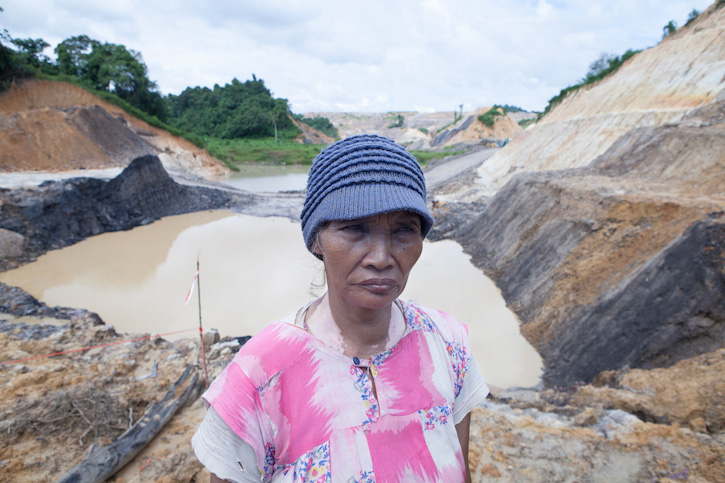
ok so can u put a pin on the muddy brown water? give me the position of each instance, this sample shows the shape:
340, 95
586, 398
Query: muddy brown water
254, 271
259, 178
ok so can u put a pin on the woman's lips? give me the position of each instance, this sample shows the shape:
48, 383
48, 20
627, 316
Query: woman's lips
379, 285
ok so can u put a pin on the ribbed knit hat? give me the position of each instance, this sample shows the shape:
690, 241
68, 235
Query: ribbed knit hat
362, 176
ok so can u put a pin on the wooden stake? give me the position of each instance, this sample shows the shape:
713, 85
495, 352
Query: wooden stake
201, 329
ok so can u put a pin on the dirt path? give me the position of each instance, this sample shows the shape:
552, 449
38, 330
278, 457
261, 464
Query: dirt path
440, 173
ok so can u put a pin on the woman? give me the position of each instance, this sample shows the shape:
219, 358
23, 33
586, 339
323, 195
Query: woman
357, 385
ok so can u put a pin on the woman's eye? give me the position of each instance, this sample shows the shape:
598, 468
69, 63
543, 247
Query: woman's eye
406, 232
353, 228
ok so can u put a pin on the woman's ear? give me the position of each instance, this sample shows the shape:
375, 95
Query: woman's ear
317, 247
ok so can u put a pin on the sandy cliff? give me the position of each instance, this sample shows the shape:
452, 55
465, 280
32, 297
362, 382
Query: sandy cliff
603, 224
54, 126
656, 87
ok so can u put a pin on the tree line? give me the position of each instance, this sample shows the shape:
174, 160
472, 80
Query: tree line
236, 110
98, 65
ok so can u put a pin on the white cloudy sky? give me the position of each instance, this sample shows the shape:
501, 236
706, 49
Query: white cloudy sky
375, 56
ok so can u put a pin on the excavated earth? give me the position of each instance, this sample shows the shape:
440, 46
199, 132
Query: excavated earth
426, 131
603, 225
55, 126
615, 260
59, 213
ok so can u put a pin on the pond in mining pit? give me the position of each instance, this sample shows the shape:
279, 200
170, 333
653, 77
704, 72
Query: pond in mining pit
254, 271
259, 178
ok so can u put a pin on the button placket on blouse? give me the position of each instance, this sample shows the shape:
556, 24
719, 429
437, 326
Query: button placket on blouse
365, 384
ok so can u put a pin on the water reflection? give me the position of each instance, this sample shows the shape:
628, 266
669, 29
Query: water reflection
260, 178
254, 271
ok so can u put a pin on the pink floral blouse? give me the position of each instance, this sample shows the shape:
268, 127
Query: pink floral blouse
312, 414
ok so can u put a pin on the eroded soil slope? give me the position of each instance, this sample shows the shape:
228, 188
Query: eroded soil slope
54, 126
615, 260
423, 131
656, 87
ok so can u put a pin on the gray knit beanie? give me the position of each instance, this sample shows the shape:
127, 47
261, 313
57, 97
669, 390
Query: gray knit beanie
362, 176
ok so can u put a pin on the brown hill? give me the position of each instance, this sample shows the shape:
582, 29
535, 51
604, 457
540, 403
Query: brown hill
55, 126
603, 224
310, 135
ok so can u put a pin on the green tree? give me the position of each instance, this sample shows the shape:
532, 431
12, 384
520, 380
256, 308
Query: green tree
237, 110
399, 121
31, 51
509, 108
692, 16
279, 114
11, 66
73, 55
115, 69
600, 65
669, 29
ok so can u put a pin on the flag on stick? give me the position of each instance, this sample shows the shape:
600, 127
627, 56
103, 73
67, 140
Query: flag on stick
191, 289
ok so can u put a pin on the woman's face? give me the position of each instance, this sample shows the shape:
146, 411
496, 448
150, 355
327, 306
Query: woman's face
367, 261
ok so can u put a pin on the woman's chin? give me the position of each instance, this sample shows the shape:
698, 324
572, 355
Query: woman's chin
376, 300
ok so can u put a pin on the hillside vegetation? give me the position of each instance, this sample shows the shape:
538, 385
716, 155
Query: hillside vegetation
238, 110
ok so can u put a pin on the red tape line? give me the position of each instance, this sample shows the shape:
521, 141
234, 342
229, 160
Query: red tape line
94, 347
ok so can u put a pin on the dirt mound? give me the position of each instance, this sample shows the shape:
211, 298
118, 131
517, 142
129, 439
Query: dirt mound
310, 135
631, 244
60, 213
472, 131
55, 126
423, 131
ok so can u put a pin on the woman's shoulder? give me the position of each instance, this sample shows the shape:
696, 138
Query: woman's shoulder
429, 319
271, 351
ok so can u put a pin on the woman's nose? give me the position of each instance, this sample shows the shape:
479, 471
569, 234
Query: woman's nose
379, 253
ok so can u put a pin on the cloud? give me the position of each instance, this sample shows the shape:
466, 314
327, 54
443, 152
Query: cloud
327, 55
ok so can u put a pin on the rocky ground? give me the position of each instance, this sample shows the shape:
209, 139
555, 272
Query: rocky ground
55, 409
627, 425
632, 425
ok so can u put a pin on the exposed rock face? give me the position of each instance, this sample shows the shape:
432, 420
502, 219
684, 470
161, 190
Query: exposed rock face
471, 130
11, 244
58, 214
16, 301
655, 87
618, 264
424, 130
54, 126
616, 260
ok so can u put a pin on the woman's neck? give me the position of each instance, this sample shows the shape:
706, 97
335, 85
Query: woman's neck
355, 331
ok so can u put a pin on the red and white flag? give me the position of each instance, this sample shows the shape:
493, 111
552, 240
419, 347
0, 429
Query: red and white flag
191, 289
